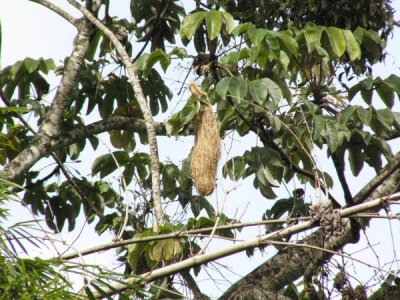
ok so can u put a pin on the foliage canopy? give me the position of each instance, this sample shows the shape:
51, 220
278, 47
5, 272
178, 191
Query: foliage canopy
295, 77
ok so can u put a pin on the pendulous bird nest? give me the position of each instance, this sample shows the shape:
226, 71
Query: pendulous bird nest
206, 151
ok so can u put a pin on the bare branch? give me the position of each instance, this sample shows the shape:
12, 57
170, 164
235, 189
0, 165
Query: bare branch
288, 244
192, 285
291, 264
338, 161
50, 126
112, 123
177, 234
251, 243
150, 126
351, 211
62, 13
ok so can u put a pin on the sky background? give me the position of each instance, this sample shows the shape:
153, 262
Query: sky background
30, 30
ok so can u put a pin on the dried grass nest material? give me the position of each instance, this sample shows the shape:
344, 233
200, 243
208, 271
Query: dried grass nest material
206, 151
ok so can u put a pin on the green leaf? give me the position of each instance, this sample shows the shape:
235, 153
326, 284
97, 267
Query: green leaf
256, 35
275, 122
46, 65
312, 35
347, 113
129, 142
287, 43
235, 168
189, 111
273, 49
198, 203
259, 90
367, 96
382, 146
158, 56
222, 87
394, 82
165, 250
365, 115
213, 23
191, 23
31, 64
352, 46
107, 105
231, 59
178, 52
94, 45
105, 164
381, 122
229, 21
337, 40
365, 86
238, 88
396, 120
385, 116
116, 139
326, 178
332, 135
319, 125
356, 159
373, 45
270, 178
203, 222
385, 91
265, 188
239, 29
274, 91
135, 250
374, 157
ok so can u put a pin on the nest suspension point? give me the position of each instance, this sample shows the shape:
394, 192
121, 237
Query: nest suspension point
206, 149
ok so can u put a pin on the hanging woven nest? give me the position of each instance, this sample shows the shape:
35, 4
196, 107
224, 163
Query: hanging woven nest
206, 151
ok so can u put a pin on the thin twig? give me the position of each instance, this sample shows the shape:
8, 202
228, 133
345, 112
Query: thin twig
181, 233
192, 285
220, 211
346, 212
123, 182
62, 13
150, 126
332, 252
71, 180
251, 243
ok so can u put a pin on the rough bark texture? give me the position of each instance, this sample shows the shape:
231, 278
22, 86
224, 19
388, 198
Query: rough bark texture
150, 124
112, 123
50, 127
292, 263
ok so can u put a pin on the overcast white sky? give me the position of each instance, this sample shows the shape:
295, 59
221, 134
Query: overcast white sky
30, 30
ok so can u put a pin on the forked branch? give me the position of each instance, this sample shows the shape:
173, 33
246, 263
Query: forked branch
150, 124
251, 243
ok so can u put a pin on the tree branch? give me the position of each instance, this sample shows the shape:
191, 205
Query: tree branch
338, 162
150, 126
50, 126
62, 13
61, 167
269, 275
177, 234
269, 142
192, 285
112, 123
289, 265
